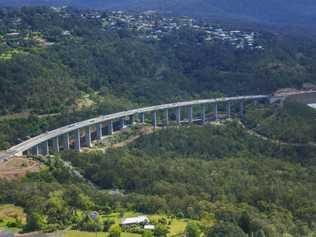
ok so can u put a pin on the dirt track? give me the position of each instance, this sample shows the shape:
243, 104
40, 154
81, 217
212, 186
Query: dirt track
17, 167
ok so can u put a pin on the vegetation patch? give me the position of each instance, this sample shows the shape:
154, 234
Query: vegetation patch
9, 54
293, 122
11, 216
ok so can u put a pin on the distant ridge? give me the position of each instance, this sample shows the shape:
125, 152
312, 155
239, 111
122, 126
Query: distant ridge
298, 12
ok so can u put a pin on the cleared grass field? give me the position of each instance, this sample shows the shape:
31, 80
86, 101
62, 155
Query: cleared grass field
176, 227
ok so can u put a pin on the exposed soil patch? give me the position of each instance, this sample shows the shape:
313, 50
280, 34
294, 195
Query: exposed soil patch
143, 131
17, 167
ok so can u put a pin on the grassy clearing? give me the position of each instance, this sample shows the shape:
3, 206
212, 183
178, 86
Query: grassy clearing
9, 54
176, 227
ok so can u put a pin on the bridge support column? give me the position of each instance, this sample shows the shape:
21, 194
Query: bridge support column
35, 151
45, 148
66, 141
190, 114
228, 109
122, 123
178, 115
56, 144
154, 119
216, 111
77, 140
132, 120
203, 113
99, 131
255, 102
88, 137
242, 109
110, 127
142, 118
166, 122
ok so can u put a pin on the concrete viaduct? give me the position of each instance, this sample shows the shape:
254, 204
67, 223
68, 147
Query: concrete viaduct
82, 133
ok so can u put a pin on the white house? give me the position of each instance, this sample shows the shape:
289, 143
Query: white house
135, 220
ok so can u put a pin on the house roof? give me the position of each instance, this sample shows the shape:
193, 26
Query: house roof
149, 227
135, 220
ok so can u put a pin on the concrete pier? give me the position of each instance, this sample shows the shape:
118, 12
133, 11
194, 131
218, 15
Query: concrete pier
88, 137
122, 123
56, 144
228, 108
132, 119
242, 109
178, 115
110, 127
34, 151
77, 140
45, 148
203, 113
166, 118
142, 118
99, 131
190, 114
66, 141
216, 111
154, 119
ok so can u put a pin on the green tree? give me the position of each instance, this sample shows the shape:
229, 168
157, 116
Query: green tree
161, 230
260, 233
147, 233
107, 224
115, 231
192, 230
226, 229
35, 221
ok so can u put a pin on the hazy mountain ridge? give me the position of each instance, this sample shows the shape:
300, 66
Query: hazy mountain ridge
272, 11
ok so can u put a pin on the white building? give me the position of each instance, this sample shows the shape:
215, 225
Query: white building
149, 227
135, 220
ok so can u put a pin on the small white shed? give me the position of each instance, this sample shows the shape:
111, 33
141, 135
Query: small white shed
149, 227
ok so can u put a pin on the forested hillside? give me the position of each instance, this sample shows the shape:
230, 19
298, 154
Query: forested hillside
49, 58
223, 177
292, 123
252, 177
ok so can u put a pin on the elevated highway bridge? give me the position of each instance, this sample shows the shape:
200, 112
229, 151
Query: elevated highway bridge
79, 134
